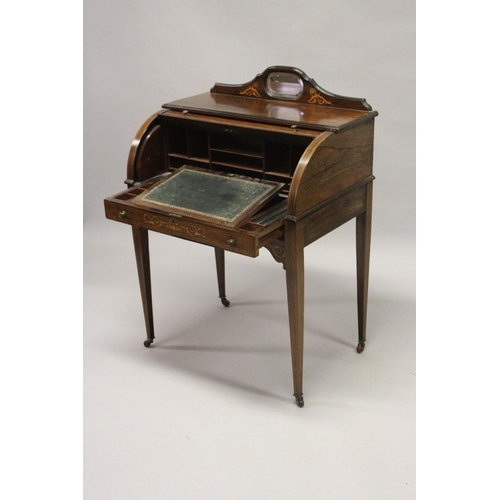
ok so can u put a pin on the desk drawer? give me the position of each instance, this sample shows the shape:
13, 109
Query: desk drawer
245, 240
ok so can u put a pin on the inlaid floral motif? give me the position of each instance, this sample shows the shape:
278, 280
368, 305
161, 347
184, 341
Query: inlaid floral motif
317, 98
251, 91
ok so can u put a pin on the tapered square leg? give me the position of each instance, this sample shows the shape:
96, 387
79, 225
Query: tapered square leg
294, 250
141, 245
221, 275
363, 238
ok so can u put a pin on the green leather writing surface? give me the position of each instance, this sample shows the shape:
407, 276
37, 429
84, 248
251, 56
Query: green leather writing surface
196, 192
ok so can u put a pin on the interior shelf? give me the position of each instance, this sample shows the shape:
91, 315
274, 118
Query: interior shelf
255, 156
240, 152
277, 174
237, 166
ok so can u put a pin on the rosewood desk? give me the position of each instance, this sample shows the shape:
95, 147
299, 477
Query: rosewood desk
305, 153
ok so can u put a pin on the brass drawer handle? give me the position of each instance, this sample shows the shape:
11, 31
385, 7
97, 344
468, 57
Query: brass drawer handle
122, 214
230, 242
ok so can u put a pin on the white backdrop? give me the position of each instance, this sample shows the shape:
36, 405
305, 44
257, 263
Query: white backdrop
208, 411
193, 417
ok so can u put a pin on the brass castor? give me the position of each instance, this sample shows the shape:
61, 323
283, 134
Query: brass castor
299, 399
225, 302
360, 348
148, 342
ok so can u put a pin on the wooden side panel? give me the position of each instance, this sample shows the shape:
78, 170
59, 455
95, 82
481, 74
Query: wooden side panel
147, 153
331, 164
335, 213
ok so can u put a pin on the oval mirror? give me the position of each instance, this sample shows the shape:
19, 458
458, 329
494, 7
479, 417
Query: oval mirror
284, 85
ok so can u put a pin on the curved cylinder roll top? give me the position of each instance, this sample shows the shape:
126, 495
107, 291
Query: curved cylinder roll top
332, 163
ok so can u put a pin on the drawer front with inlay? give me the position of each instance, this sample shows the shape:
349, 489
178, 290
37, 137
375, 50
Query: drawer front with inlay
231, 239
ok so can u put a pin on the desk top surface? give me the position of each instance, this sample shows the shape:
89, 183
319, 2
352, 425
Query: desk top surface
272, 111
